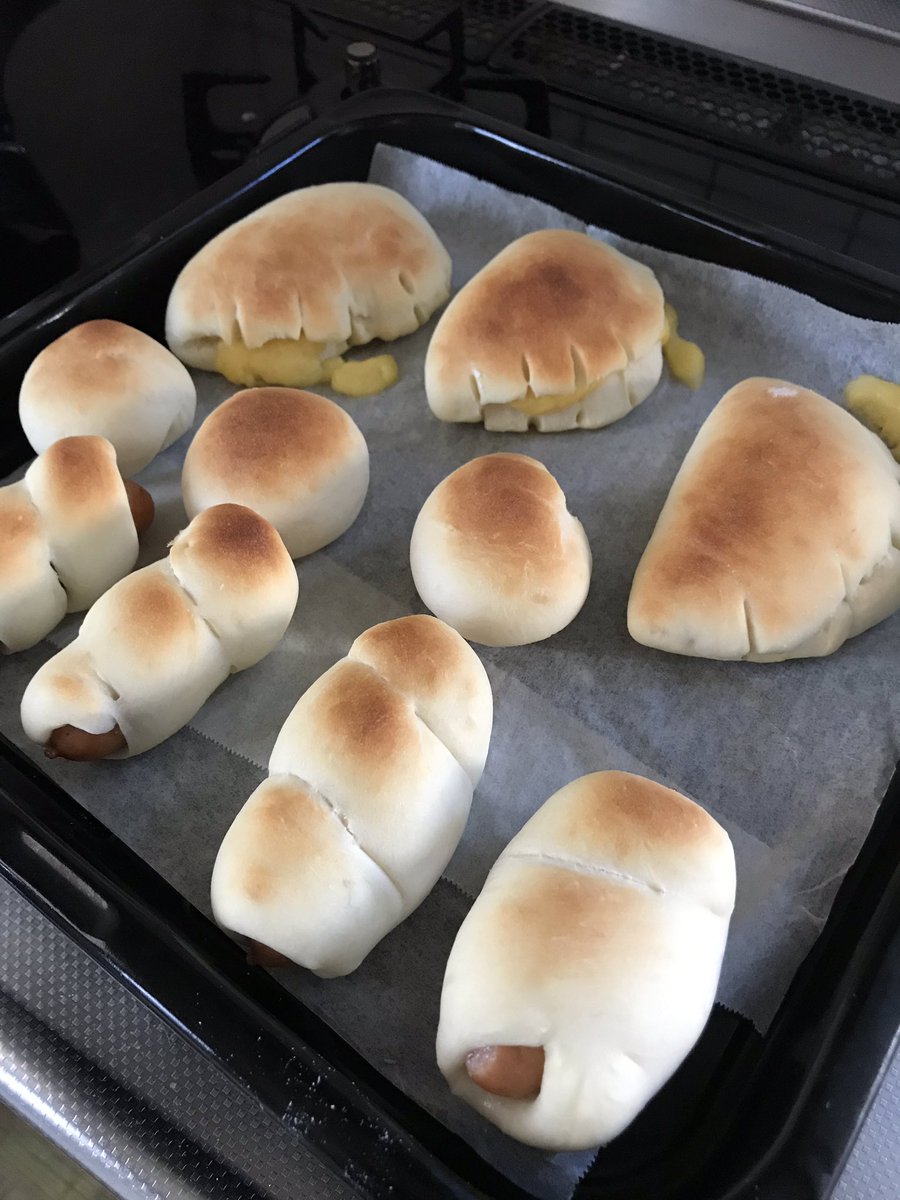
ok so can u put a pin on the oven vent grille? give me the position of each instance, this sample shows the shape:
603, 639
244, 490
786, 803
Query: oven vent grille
721, 98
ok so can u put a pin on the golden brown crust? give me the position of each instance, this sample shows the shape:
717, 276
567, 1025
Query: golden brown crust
297, 264
21, 533
235, 545
628, 826
505, 509
153, 618
81, 479
544, 283
289, 825
616, 808
415, 654
560, 923
89, 363
275, 441
364, 720
774, 480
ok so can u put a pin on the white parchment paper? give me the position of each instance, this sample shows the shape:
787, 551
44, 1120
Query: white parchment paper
793, 758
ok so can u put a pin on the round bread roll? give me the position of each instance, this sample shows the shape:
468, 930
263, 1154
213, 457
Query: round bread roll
306, 276
296, 458
156, 645
586, 969
67, 533
106, 378
496, 554
370, 785
559, 331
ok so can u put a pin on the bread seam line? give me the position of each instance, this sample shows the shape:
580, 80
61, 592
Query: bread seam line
843, 603
40, 518
408, 699
751, 635
201, 733
344, 822
232, 669
579, 867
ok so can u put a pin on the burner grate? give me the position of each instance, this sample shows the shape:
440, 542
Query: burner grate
485, 22
721, 98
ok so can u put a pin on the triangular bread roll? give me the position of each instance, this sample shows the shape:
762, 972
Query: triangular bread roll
559, 331
323, 267
779, 538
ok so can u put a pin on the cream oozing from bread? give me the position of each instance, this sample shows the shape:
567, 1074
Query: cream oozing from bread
302, 279
558, 331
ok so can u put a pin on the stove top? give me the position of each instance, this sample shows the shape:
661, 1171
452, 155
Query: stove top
110, 114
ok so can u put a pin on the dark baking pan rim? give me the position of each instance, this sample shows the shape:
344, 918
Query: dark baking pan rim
795, 1098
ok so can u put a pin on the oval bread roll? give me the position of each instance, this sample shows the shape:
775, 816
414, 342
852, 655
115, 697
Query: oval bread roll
156, 645
559, 331
335, 265
66, 534
496, 554
106, 378
586, 969
294, 457
370, 784
780, 537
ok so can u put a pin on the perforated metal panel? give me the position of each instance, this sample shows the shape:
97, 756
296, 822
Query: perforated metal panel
486, 23
718, 97
406, 20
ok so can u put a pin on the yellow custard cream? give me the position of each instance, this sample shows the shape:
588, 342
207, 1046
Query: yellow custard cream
291, 362
876, 402
365, 377
286, 361
685, 359
538, 406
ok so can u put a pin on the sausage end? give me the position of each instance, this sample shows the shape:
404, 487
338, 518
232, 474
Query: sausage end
261, 955
515, 1072
141, 504
77, 746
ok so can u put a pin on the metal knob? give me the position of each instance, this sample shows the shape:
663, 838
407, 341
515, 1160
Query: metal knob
362, 66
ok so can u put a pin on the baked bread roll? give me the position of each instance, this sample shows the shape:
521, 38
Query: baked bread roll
496, 554
277, 294
296, 458
106, 378
779, 536
370, 784
68, 530
154, 647
586, 969
559, 331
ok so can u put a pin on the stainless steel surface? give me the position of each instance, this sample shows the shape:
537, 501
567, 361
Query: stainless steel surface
106, 1079
777, 35
877, 18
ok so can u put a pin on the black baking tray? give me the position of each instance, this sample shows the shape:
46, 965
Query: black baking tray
746, 1116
